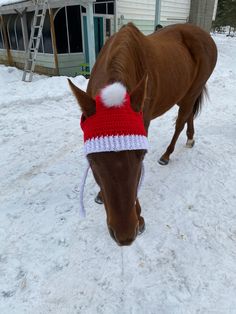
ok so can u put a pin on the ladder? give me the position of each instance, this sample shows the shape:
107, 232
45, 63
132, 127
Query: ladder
35, 37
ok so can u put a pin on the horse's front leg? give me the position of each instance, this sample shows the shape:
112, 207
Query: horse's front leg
140, 218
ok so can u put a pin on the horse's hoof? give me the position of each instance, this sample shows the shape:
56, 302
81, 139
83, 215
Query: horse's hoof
190, 143
141, 229
163, 161
98, 199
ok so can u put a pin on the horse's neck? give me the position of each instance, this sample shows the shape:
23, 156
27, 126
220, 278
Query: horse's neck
126, 65
121, 60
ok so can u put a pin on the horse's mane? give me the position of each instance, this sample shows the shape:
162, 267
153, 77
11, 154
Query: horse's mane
125, 59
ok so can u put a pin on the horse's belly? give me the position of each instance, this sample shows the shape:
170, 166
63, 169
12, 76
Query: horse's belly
171, 89
160, 110
168, 98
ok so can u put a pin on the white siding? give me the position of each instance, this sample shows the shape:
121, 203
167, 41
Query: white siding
141, 13
174, 11
137, 9
69, 64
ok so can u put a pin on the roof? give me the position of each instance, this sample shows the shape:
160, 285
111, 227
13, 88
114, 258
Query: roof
8, 6
12, 2
5, 2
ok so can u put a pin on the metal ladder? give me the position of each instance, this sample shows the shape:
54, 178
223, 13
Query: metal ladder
35, 37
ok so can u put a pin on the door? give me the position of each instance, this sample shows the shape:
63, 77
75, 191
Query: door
98, 35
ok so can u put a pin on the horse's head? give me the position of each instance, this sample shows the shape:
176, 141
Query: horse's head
115, 145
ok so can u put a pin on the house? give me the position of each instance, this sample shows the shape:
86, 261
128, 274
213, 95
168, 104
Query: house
75, 30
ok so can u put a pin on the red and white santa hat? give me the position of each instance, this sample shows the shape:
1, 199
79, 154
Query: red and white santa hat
115, 126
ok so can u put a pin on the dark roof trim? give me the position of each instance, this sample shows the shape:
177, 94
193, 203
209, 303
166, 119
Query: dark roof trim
10, 8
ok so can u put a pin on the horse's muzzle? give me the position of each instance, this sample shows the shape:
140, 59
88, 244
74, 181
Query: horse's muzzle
127, 241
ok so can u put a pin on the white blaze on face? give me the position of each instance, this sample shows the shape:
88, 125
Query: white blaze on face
113, 95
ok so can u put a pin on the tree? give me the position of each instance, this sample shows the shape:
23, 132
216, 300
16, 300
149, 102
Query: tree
226, 13
232, 13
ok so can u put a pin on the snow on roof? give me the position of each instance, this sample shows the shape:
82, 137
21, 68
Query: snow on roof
9, 2
5, 2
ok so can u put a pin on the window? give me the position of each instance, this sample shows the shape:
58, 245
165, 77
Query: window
104, 7
11, 32
47, 39
61, 31
108, 28
29, 18
68, 30
19, 34
110, 8
74, 26
45, 45
101, 8
1, 38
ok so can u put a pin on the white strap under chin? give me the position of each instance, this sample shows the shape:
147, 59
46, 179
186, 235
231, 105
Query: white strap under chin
141, 178
81, 196
82, 209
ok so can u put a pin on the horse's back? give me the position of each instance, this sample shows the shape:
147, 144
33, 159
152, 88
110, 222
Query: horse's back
176, 58
183, 58
198, 42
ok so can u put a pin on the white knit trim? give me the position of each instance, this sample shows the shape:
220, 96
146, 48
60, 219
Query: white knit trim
113, 95
115, 143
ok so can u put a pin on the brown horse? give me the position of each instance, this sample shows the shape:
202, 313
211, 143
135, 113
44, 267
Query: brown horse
168, 67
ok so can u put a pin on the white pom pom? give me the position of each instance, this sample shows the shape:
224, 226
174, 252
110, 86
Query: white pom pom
113, 95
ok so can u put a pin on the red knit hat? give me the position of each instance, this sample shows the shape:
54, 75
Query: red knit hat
115, 126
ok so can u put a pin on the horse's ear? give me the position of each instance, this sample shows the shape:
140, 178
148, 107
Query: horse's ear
138, 94
87, 103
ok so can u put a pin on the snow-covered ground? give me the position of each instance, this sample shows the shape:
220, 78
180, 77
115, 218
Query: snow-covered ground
52, 261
